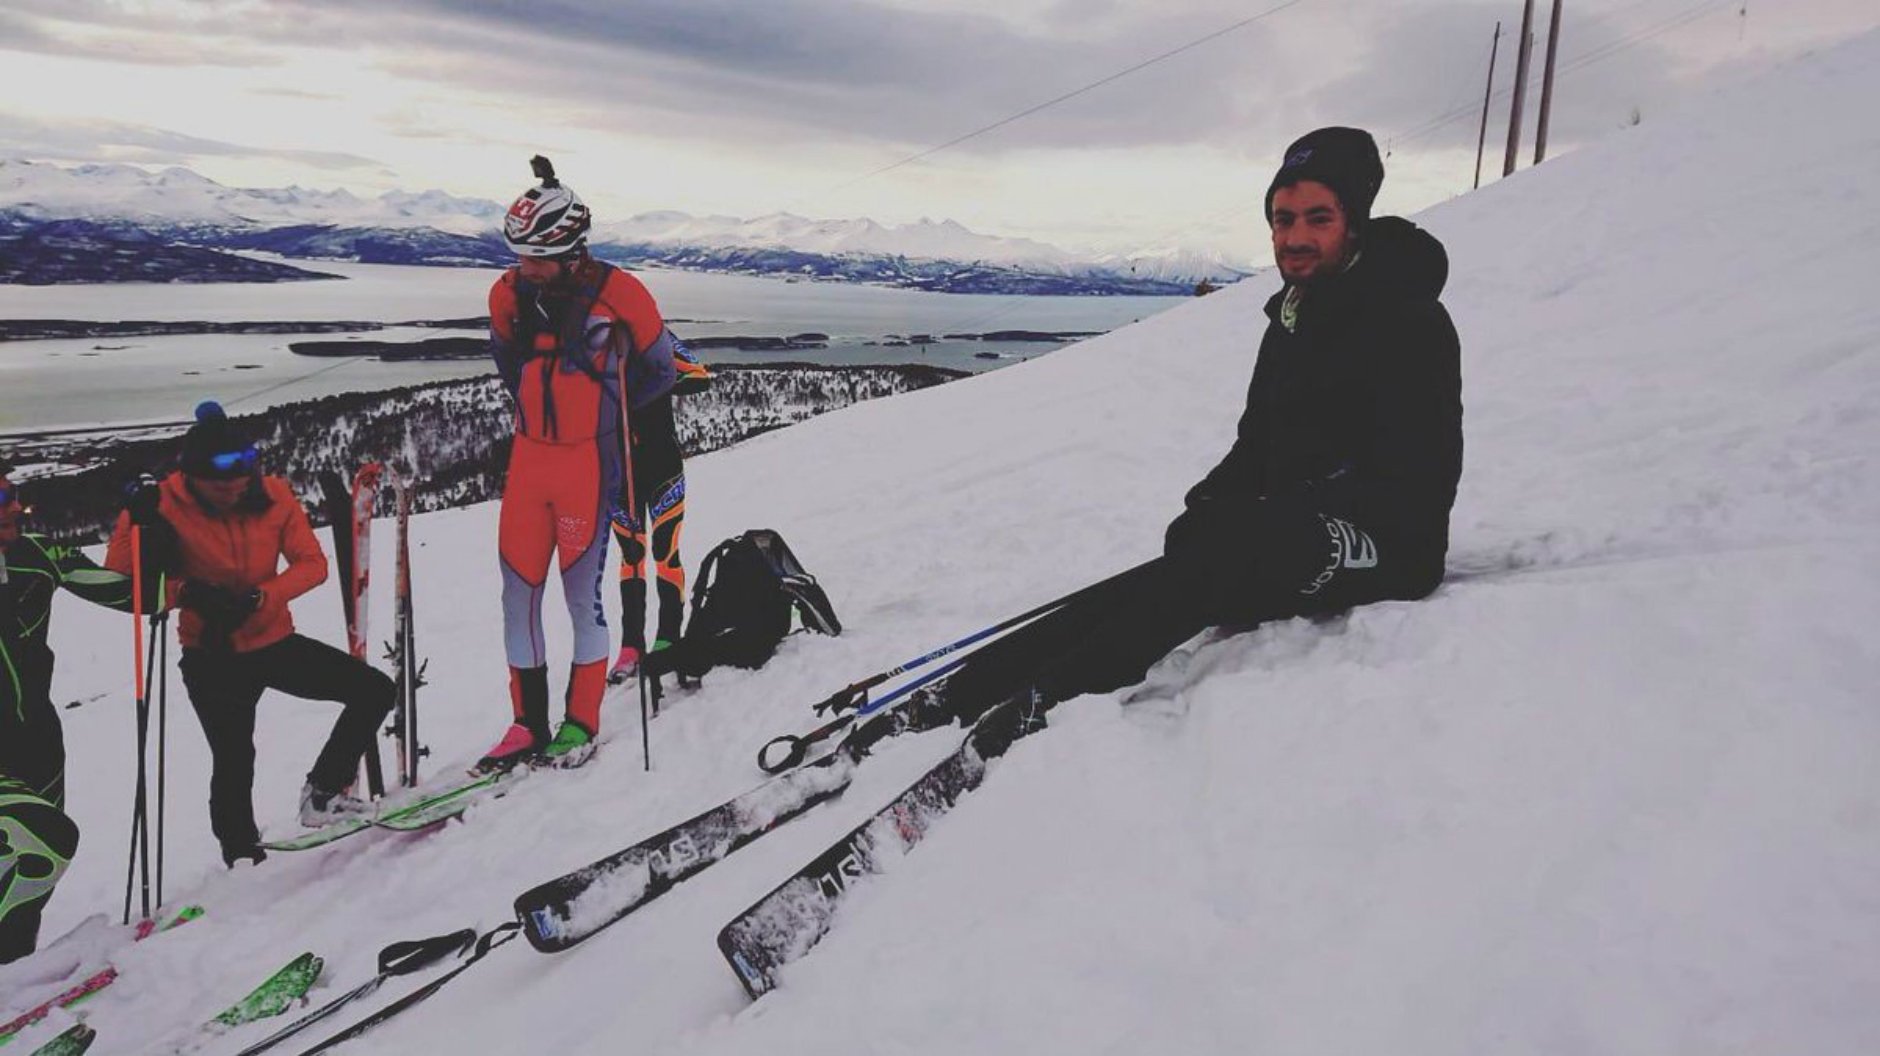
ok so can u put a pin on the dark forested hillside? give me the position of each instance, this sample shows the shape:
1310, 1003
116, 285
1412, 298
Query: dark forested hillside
451, 437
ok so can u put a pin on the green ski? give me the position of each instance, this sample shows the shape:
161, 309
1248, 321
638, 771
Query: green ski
446, 805
73, 1042
98, 980
432, 809
280, 993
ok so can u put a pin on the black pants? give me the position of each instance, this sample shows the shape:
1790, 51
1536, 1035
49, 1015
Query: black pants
659, 489
1239, 567
224, 689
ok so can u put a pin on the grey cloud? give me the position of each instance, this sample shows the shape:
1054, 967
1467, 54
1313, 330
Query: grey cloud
828, 69
1419, 85
156, 45
803, 75
106, 141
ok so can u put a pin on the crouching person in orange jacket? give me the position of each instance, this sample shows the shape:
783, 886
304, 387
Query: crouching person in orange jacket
231, 528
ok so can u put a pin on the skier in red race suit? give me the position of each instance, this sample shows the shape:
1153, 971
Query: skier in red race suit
568, 333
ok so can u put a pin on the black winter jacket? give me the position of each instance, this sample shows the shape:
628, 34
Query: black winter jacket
32, 570
1358, 413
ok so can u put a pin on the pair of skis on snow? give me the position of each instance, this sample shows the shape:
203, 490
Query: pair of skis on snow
777, 929
279, 993
785, 923
350, 508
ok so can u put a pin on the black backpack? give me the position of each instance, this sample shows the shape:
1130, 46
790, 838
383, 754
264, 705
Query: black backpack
746, 589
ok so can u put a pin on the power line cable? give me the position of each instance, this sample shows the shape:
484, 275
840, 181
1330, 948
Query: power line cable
1067, 96
1639, 36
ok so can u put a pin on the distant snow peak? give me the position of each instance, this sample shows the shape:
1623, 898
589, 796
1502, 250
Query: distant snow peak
177, 200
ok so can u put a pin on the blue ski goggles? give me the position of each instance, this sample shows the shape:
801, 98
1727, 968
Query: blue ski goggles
8, 494
234, 463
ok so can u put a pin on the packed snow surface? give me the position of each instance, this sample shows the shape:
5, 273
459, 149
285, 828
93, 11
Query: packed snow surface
1611, 790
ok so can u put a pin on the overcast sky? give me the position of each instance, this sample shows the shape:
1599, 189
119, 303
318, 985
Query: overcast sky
744, 107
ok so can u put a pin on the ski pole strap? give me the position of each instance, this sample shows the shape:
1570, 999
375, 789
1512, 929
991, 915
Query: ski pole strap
403, 958
495, 937
795, 748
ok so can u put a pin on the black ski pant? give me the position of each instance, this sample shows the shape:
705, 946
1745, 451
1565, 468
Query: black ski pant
225, 687
1239, 568
659, 490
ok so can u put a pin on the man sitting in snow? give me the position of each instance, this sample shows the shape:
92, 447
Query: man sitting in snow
1338, 489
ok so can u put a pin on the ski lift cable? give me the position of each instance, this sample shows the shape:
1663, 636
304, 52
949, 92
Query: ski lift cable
1065, 97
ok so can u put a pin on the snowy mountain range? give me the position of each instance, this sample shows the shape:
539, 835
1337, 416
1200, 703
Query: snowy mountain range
433, 227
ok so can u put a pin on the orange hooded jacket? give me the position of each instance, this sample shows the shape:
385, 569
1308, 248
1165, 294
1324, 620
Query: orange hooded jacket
241, 551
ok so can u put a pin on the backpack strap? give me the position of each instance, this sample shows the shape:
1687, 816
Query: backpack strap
812, 603
783, 563
702, 583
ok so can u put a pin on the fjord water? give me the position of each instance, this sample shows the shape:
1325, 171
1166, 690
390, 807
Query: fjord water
86, 381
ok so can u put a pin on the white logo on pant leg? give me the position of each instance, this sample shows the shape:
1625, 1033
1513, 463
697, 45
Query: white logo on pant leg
1359, 550
1351, 548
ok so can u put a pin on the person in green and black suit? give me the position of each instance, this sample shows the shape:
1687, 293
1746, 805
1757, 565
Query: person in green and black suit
37, 839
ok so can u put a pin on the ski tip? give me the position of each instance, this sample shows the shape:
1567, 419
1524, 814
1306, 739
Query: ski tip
74, 1041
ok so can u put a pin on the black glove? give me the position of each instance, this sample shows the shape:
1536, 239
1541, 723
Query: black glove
141, 496
163, 551
692, 384
533, 324
220, 606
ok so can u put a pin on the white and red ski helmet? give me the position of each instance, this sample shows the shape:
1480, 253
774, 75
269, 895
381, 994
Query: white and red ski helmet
548, 220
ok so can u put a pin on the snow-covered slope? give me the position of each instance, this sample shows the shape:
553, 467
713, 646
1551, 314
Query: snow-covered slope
1611, 791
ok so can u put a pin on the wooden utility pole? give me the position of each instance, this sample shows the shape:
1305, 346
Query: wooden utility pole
1520, 85
1481, 140
1547, 85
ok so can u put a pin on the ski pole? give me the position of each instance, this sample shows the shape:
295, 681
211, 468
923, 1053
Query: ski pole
480, 949
632, 512
646, 741
797, 748
159, 624
400, 958
140, 686
854, 697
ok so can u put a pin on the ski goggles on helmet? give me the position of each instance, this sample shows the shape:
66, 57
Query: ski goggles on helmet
234, 463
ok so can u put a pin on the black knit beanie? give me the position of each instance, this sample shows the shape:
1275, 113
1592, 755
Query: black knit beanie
1344, 159
212, 435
